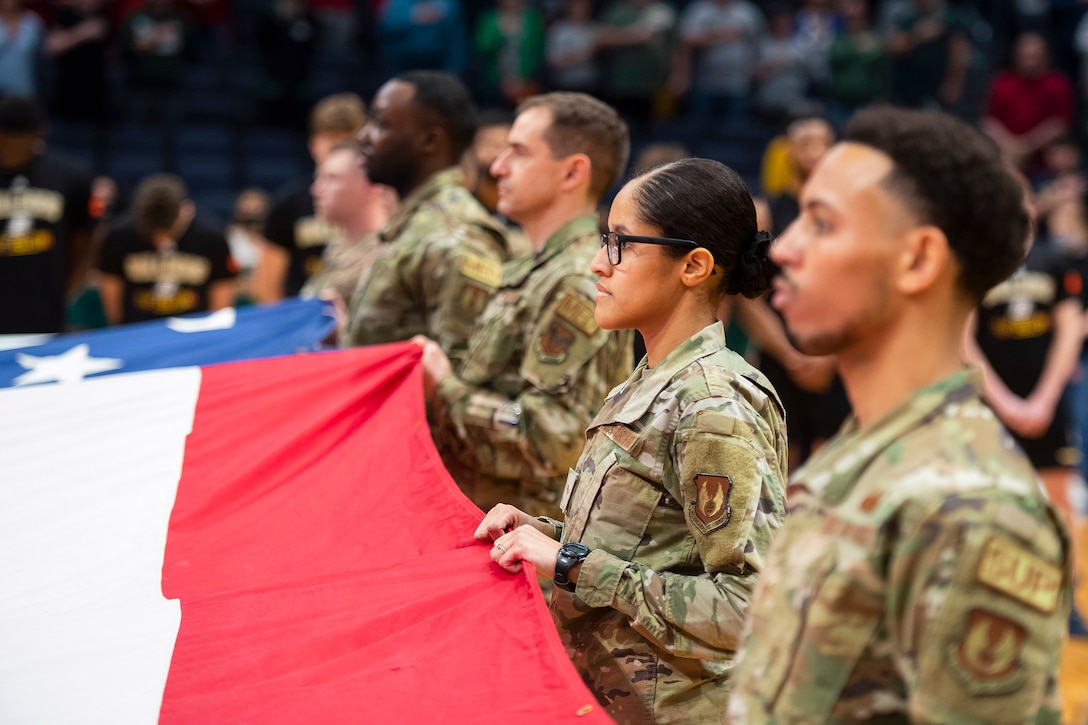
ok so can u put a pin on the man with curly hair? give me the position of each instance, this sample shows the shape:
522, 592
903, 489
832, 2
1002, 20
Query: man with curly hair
922, 574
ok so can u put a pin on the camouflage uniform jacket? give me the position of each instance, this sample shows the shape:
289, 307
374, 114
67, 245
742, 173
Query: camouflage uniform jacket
678, 495
443, 263
343, 263
511, 423
922, 576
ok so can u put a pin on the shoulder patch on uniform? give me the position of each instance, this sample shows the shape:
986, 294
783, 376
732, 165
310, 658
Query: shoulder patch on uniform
472, 300
710, 509
578, 312
482, 269
1008, 568
553, 347
986, 656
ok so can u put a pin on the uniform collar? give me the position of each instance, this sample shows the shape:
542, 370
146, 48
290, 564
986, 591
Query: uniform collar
853, 447
517, 270
447, 178
629, 401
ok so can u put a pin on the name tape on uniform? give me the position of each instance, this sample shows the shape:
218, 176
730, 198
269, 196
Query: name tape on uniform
1015, 572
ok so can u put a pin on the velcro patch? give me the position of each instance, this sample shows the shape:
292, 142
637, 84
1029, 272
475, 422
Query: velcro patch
622, 436
578, 312
1007, 568
482, 269
553, 347
711, 506
472, 300
986, 659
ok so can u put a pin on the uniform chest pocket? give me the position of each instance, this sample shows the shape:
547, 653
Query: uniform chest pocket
611, 509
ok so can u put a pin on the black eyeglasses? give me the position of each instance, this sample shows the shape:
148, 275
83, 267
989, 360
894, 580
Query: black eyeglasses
614, 240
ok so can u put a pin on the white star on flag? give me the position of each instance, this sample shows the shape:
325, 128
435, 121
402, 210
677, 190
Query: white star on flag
68, 367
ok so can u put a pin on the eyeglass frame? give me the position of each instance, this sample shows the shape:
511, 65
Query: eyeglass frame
606, 242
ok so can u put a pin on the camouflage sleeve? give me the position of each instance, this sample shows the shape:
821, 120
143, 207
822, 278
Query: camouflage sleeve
978, 600
458, 275
384, 307
732, 497
569, 365
436, 286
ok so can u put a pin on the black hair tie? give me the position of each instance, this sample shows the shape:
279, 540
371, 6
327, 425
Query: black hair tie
750, 262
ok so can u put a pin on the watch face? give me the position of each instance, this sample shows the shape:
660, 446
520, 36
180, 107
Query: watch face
574, 549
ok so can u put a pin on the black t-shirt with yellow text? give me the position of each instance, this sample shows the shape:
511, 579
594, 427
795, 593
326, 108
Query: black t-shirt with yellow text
41, 207
1016, 318
292, 225
164, 283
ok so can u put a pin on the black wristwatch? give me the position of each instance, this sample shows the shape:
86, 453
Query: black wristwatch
570, 555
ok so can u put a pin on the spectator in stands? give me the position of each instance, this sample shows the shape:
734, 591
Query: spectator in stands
571, 49
488, 142
816, 25
163, 261
858, 63
929, 53
210, 20
245, 238
509, 49
636, 42
810, 391
156, 47
22, 36
295, 238
719, 48
287, 41
1027, 337
45, 229
444, 260
783, 70
423, 34
1030, 104
346, 199
1063, 227
77, 45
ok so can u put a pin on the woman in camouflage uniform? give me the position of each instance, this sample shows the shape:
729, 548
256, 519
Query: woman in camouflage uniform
676, 497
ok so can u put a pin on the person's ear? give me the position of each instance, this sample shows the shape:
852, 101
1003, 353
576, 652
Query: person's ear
578, 171
698, 267
433, 140
925, 257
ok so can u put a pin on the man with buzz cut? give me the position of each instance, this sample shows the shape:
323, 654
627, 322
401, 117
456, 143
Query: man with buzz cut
510, 420
922, 575
440, 254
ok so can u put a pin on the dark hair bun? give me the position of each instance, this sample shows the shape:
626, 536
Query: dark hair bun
754, 270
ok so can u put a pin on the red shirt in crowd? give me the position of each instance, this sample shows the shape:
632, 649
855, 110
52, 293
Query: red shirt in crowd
1020, 104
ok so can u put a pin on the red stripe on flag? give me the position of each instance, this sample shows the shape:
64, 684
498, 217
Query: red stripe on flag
323, 560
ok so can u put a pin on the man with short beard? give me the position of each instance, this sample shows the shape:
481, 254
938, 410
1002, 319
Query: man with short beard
444, 253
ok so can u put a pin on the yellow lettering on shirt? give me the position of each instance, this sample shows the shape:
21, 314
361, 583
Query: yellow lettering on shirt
1009, 569
44, 204
145, 267
38, 241
184, 300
